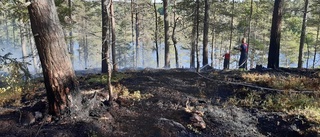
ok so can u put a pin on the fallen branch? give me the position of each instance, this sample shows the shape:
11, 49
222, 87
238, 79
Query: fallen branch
38, 131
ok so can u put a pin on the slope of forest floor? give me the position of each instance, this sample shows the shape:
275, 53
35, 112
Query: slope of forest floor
179, 103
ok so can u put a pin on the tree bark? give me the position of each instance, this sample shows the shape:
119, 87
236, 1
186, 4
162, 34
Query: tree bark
166, 35
137, 35
60, 80
156, 32
105, 40
303, 34
205, 33
212, 48
213, 40
220, 49
308, 54
231, 26
248, 41
197, 39
174, 39
316, 46
132, 36
193, 41
113, 29
85, 52
106, 60
274, 49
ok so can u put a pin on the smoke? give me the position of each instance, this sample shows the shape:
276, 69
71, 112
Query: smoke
81, 105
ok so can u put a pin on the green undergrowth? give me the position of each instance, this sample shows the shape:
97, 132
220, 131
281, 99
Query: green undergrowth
124, 92
13, 90
290, 103
15, 81
11, 97
291, 99
14, 87
103, 78
283, 82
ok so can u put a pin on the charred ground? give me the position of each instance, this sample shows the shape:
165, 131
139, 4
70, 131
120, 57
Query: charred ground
175, 102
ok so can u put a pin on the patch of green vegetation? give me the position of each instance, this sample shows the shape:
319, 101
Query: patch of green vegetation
135, 95
98, 79
195, 130
10, 96
16, 83
291, 103
93, 133
14, 89
283, 82
118, 76
103, 79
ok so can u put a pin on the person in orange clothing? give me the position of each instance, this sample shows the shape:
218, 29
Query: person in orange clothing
226, 60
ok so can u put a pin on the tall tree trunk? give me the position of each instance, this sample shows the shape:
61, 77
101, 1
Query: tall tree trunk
156, 32
231, 29
166, 35
108, 59
113, 30
213, 40
132, 36
248, 41
142, 52
220, 50
274, 49
85, 53
253, 50
137, 35
105, 41
193, 45
308, 54
197, 39
316, 46
60, 80
174, 40
215, 49
303, 34
193, 42
205, 33
231, 26
212, 47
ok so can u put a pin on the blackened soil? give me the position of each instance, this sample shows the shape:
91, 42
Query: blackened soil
175, 102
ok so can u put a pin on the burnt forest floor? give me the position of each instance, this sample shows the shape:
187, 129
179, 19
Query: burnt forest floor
178, 103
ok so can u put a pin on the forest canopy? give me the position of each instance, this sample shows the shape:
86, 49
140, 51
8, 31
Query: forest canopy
135, 23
